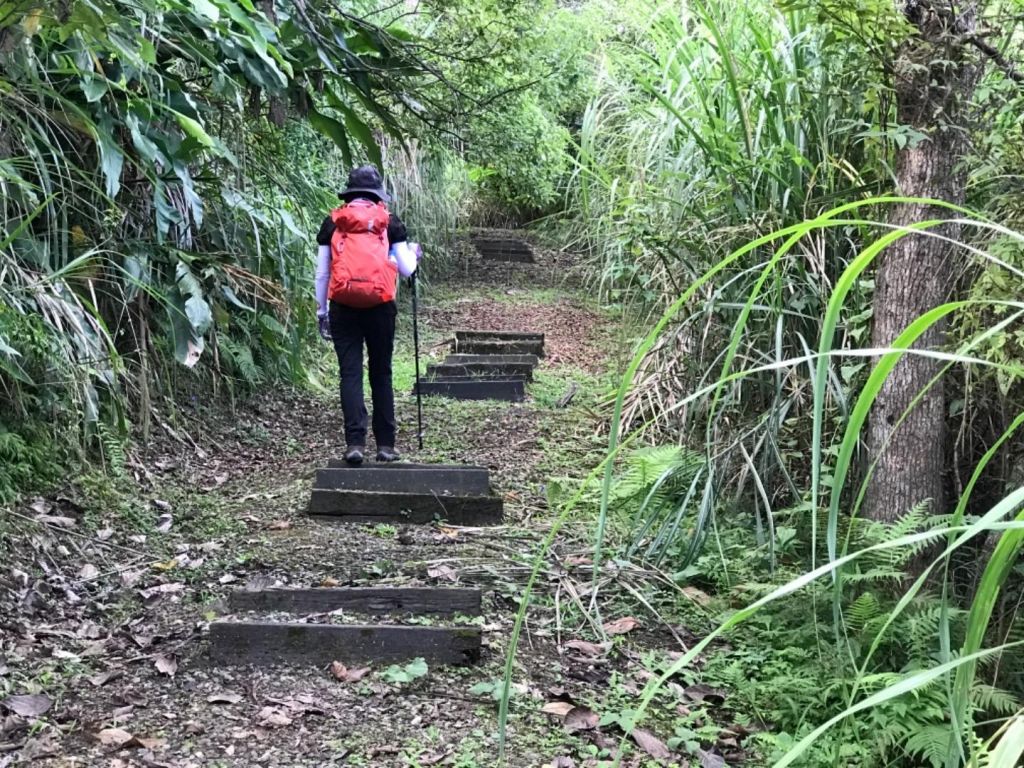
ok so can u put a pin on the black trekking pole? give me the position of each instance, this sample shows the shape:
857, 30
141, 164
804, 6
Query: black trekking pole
416, 347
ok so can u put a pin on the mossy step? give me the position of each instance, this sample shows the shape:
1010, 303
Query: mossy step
481, 346
531, 360
481, 370
478, 335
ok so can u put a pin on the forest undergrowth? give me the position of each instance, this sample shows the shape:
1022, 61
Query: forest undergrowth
800, 223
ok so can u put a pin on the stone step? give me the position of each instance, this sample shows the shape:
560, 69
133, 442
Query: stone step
499, 347
383, 507
481, 370
531, 360
473, 335
454, 481
368, 600
463, 388
317, 645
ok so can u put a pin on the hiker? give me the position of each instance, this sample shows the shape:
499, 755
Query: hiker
362, 248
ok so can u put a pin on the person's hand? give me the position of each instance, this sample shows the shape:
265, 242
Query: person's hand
325, 327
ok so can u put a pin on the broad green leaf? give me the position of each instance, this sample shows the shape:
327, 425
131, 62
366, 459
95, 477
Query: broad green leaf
111, 158
333, 130
194, 129
94, 87
188, 285
1010, 747
199, 314
206, 9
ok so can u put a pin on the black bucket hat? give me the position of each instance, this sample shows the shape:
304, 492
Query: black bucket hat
365, 179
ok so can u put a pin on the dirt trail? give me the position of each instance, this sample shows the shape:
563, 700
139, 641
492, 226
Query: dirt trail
129, 643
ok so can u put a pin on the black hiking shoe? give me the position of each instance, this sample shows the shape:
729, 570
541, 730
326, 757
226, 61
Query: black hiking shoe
387, 453
354, 454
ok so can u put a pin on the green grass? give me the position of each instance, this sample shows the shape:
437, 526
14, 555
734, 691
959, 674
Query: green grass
869, 688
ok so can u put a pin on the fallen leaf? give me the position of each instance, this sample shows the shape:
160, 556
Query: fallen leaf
114, 737
41, 506
577, 560
28, 705
346, 675
705, 694
90, 630
589, 649
696, 595
227, 697
227, 578
581, 719
163, 506
131, 578
143, 641
162, 589
442, 572
710, 759
102, 678
96, 648
88, 572
280, 525
621, 626
45, 745
104, 534
194, 728
650, 744
329, 582
164, 522
560, 708
561, 762
271, 717
165, 665
150, 743
57, 520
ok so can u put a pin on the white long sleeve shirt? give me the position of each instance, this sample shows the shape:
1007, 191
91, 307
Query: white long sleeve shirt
402, 255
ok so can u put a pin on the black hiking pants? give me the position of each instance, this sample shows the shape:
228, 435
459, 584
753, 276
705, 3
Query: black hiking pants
350, 329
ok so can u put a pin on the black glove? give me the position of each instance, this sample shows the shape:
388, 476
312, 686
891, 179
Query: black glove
325, 327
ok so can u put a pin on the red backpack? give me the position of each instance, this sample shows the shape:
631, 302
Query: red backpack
362, 276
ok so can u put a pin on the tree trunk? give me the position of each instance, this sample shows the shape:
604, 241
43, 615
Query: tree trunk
934, 80
278, 113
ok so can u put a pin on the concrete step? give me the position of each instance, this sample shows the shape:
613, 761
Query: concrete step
396, 478
463, 388
503, 249
368, 600
317, 645
424, 508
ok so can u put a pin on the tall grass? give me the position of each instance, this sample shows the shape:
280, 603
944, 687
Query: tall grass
717, 123
953, 672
